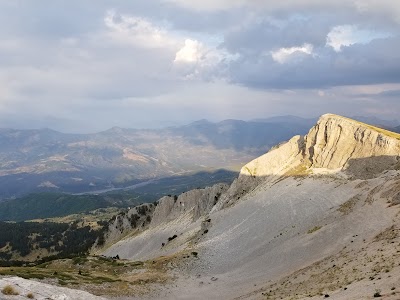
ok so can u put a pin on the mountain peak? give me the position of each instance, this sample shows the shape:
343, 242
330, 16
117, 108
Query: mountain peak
358, 124
334, 143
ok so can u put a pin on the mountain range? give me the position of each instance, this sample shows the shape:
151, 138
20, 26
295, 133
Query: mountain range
46, 160
314, 217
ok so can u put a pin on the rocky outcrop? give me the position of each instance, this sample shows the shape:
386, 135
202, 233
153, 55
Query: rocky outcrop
134, 220
195, 204
198, 202
336, 143
42, 291
333, 143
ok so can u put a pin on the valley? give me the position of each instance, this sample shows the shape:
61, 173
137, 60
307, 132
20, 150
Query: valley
44, 160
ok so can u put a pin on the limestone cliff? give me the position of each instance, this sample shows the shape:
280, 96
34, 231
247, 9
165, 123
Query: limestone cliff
335, 143
126, 223
197, 202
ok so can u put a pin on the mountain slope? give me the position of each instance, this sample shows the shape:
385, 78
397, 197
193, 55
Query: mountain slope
324, 196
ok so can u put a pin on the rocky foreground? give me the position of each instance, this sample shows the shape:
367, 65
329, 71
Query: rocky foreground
28, 289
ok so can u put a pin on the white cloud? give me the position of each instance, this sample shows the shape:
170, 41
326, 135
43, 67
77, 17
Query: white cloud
195, 60
191, 59
347, 35
192, 52
284, 55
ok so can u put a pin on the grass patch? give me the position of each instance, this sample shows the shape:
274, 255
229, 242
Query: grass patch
93, 272
314, 229
387, 235
349, 205
299, 170
9, 290
79, 260
30, 296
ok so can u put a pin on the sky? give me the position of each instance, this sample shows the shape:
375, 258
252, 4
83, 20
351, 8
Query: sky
86, 66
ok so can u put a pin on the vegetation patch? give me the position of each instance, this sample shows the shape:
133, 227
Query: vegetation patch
9, 290
30, 296
314, 229
387, 235
27, 240
348, 206
101, 275
47, 205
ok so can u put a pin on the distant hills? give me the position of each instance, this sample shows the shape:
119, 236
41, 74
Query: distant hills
55, 204
45, 160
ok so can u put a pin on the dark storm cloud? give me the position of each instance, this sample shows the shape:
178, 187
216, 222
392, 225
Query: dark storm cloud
374, 63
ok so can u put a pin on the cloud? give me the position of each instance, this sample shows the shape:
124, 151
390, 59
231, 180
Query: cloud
382, 9
347, 35
146, 63
284, 55
192, 52
373, 63
137, 31
208, 5
195, 60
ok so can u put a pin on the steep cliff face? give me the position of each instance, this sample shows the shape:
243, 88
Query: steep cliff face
333, 143
132, 221
197, 202
193, 205
336, 143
